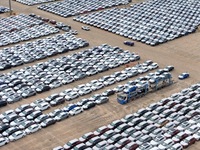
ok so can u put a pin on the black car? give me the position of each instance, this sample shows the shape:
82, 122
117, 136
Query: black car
4, 127
48, 122
93, 141
168, 68
10, 131
88, 105
43, 88
129, 43
108, 92
57, 101
3, 103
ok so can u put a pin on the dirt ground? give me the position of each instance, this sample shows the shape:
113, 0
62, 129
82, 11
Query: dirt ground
183, 53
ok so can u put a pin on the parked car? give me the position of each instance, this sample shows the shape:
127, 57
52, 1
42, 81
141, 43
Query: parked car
3, 103
86, 137
4, 141
85, 28
88, 105
33, 128
129, 43
75, 111
61, 116
183, 76
69, 145
101, 100
47, 122
17, 135
188, 141
166, 144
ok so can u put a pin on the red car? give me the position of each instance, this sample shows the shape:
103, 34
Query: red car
132, 146
172, 132
121, 143
179, 137
188, 141
69, 145
101, 130
86, 137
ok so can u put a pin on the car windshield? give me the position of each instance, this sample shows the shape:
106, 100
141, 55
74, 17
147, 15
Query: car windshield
167, 143
100, 129
121, 96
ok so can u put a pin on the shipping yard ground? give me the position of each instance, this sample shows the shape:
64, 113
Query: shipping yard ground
183, 53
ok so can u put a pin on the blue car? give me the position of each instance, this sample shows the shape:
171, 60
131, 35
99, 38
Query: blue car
129, 43
183, 76
69, 107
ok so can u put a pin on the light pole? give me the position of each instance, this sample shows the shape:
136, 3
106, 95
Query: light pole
10, 7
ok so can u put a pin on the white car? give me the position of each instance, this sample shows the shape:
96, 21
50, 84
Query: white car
26, 112
121, 77
22, 107
42, 106
166, 144
17, 121
75, 111
34, 114
33, 128
119, 88
3, 141
53, 96
40, 118
101, 100
157, 140
153, 66
71, 96
197, 135
81, 86
191, 130
176, 146
109, 81
145, 146
17, 135
91, 83
143, 69
36, 102
55, 112
7, 113
183, 126
84, 90
67, 80
97, 86
65, 92
91, 72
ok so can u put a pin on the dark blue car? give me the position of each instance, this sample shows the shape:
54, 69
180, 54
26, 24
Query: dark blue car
129, 43
69, 107
183, 76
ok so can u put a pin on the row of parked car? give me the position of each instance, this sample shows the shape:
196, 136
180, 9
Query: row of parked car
35, 2
173, 123
54, 73
69, 8
3, 9
59, 25
39, 49
27, 33
94, 85
27, 116
17, 22
152, 22
28, 119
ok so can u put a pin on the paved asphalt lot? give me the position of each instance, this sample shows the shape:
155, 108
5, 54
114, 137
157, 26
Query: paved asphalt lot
183, 53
